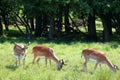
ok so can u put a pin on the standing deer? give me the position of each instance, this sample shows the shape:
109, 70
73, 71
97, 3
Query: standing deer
99, 57
20, 51
47, 53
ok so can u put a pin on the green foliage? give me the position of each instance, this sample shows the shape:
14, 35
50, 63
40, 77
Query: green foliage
80, 8
30, 9
33, 8
115, 6
69, 51
104, 7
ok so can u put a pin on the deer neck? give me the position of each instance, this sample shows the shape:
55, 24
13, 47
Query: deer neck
110, 65
55, 59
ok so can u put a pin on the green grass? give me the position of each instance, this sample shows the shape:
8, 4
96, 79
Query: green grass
70, 51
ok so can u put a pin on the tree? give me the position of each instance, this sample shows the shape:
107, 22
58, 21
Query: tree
47, 17
104, 12
91, 22
66, 20
1, 27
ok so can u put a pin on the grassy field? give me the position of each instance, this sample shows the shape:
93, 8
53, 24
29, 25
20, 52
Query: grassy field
70, 51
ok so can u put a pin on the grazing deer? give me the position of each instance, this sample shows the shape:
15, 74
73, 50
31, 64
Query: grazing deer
99, 57
20, 51
47, 53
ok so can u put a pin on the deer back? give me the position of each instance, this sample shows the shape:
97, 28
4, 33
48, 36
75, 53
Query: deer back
94, 54
42, 51
19, 49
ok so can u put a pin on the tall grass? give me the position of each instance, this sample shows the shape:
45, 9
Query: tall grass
69, 51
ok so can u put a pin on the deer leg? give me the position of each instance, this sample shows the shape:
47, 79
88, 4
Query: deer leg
50, 61
85, 66
38, 62
24, 60
95, 66
19, 60
100, 66
46, 61
34, 60
16, 62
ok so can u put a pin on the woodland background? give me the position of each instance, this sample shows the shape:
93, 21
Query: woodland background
56, 19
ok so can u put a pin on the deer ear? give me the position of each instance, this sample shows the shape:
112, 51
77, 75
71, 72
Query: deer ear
27, 44
63, 62
116, 67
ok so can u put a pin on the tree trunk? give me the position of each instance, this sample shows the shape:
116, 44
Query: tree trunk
1, 27
6, 21
45, 22
59, 20
91, 27
32, 24
107, 28
38, 30
52, 28
117, 23
67, 25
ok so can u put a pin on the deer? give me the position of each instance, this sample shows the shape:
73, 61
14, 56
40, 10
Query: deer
47, 53
99, 57
20, 51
